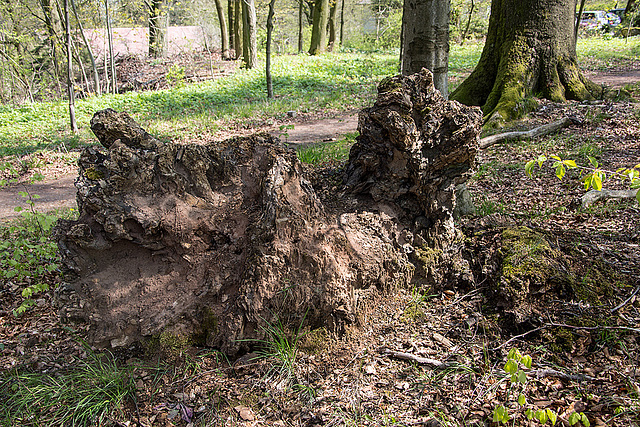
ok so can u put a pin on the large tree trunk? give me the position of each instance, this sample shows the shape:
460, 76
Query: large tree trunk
319, 29
250, 43
158, 23
530, 49
425, 40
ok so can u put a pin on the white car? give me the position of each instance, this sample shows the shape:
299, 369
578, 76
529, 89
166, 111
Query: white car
596, 19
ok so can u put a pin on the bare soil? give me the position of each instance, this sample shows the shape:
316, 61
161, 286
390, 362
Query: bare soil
351, 380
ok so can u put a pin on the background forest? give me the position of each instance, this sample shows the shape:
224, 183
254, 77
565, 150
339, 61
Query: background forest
32, 35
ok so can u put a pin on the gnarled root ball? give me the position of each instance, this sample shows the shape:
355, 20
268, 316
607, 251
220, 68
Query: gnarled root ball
210, 242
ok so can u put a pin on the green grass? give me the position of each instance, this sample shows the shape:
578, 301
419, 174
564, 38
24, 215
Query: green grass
88, 395
325, 152
602, 53
338, 81
303, 83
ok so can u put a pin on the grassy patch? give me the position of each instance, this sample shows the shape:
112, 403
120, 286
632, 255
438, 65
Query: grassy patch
326, 152
87, 395
605, 52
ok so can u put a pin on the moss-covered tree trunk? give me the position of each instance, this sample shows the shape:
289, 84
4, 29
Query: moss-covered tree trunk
530, 50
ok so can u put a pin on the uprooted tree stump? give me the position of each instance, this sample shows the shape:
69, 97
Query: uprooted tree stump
213, 241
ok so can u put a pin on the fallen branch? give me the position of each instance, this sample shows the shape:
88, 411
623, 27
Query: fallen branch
541, 130
625, 302
417, 359
593, 196
543, 373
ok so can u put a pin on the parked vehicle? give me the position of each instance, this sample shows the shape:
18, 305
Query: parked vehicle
598, 19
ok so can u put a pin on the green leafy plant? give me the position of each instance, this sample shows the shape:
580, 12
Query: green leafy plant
515, 370
285, 128
86, 395
27, 255
594, 175
576, 418
175, 76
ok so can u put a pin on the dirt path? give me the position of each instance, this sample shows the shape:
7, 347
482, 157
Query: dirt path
61, 193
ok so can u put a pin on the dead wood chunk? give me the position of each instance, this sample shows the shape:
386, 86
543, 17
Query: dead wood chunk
209, 243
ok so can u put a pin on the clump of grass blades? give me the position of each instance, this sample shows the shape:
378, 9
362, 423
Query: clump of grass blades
281, 347
85, 396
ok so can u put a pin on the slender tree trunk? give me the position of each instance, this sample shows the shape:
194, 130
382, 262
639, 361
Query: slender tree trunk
223, 30
333, 25
250, 43
425, 40
112, 59
232, 45
78, 59
466, 29
530, 49
70, 92
237, 28
94, 68
578, 19
319, 29
342, 22
300, 27
52, 24
268, 50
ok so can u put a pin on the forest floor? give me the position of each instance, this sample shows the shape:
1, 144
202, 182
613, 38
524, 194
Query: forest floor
350, 380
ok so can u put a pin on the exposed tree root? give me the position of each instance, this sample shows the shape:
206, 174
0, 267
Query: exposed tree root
541, 130
593, 196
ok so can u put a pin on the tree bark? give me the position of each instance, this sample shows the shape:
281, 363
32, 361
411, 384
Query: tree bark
230, 25
250, 44
268, 53
319, 29
530, 49
158, 23
223, 30
425, 40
